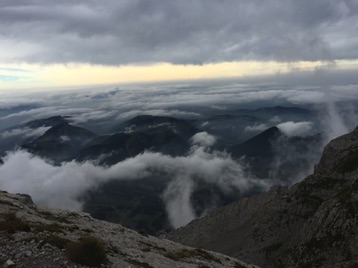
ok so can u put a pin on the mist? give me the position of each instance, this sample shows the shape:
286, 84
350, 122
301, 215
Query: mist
62, 186
336, 125
296, 129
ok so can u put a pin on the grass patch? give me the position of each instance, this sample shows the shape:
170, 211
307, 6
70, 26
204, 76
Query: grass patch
272, 248
10, 224
56, 241
143, 233
138, 263
87, 230
186, 253
159, 248
49, 216
207, 255
89, 251
52, 228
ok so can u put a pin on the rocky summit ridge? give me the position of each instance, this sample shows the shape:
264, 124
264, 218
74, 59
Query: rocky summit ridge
314, 223
32, 236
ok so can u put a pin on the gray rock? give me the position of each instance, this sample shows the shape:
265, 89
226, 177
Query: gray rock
9, 263
27, 253
124, 247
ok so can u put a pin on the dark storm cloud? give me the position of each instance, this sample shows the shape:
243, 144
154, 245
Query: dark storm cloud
121, 32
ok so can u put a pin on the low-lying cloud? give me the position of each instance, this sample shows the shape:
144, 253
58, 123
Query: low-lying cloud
256, 128
296, 129
25, 132
93, 106
203, 139
62, 186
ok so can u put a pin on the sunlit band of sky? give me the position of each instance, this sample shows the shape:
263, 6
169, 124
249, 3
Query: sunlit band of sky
27, 76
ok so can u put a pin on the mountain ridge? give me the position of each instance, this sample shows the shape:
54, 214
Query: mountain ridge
311, 224
38, 237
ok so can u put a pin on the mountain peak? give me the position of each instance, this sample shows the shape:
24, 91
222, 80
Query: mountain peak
340, 155
47, 122
66, 129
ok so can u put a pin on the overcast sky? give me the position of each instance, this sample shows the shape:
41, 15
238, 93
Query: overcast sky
47, 42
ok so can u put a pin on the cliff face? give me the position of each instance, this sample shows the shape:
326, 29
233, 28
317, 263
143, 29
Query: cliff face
32, 236
312, 224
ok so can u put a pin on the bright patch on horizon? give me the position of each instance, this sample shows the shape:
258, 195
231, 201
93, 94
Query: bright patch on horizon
33, 76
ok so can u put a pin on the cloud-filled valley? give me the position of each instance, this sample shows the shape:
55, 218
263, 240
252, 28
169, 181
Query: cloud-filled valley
62, 186
206, 144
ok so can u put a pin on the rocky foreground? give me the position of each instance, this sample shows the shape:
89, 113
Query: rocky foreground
312, 224
32, 236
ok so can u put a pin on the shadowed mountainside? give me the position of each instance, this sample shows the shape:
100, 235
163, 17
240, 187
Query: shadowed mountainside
312, 224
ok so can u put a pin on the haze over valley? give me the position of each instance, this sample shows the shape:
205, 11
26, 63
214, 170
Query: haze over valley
157, 156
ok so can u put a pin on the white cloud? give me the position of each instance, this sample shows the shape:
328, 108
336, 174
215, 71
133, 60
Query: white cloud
65, 139
204, 124
61, 186
25, 132
293, 129
203, 139
276, 119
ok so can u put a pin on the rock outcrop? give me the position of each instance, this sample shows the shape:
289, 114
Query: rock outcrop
32, 236
312, 224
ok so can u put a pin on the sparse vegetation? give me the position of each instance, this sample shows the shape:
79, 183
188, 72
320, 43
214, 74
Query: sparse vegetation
88, 251
186, 253
143, 232
160, 248
87, 230
10, 223
206, 255
272, 248
52, 228
49, 216
138, 263
56, 241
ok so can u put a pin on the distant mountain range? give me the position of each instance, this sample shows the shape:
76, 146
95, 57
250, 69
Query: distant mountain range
60, 143
311, 224
138, 204
272, 147
233, 126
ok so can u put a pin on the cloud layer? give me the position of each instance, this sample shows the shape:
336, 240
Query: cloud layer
62, 186
119, 32
97, 108
296, 129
